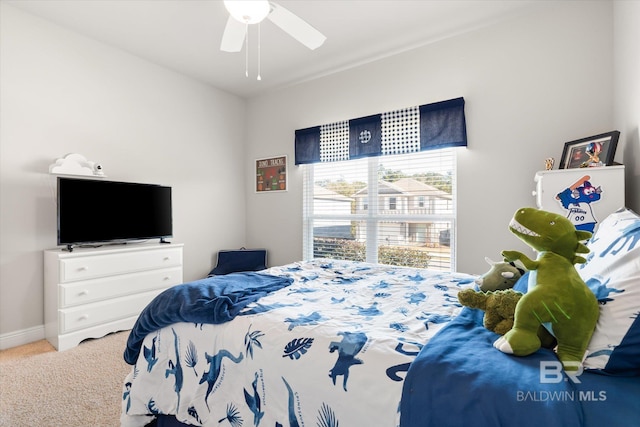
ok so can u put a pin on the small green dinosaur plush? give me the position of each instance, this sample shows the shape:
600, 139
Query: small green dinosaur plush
557, 297
499, 311
498, 306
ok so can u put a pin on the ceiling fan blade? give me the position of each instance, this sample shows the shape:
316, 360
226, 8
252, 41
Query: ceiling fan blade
296, 27
233, 36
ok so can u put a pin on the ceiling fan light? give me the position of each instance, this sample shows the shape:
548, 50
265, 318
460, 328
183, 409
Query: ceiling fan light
248, 11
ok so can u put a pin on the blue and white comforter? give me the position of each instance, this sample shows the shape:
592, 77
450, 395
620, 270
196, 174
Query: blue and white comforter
330, 349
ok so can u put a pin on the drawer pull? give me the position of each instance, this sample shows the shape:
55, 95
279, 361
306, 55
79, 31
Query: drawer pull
166, 278
167, 258
84, 268
83, 293
83, 317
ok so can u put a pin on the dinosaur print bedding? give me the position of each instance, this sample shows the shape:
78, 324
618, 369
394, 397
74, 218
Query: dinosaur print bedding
330, 349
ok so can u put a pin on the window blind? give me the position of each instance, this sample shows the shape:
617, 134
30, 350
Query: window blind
394, 209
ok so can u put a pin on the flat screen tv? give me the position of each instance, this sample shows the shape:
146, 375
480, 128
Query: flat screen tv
93, 211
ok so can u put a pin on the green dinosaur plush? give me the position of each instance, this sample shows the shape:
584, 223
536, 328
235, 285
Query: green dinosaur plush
499, 311
495, 296
498, 306
557, 297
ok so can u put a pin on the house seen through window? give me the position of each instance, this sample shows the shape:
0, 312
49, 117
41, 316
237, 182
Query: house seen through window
394, 209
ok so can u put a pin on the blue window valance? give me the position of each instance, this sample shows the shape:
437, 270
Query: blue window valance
425, 127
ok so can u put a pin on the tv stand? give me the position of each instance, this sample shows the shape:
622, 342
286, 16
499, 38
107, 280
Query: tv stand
91, 292
164, 241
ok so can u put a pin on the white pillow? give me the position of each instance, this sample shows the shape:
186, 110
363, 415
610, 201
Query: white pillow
612, 272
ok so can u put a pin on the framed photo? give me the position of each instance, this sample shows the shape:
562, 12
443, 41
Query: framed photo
594, 151
271, 174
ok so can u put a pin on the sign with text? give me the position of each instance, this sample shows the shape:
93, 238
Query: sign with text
271, 174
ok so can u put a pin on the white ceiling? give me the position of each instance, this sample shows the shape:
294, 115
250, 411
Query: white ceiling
185, 35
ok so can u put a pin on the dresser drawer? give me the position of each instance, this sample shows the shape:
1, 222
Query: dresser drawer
75, 318
103, 265
84, 292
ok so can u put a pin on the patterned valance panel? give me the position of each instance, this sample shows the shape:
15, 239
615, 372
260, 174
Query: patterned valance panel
425, 127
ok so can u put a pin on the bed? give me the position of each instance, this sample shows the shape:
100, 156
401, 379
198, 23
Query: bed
329, 343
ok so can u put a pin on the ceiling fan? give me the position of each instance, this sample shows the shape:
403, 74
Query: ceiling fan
244, 13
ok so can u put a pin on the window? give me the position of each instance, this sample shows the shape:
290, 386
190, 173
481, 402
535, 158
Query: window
394, 209
381, 188
392, 203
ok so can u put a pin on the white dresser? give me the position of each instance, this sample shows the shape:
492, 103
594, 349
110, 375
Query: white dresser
89, 293
585, 195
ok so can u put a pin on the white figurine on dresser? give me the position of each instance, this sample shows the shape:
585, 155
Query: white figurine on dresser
92, 292
585, 195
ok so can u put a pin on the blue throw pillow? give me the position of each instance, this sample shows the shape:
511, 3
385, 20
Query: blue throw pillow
234, 261
522, 285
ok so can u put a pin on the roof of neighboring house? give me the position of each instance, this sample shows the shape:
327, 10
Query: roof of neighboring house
326, 194
407, 186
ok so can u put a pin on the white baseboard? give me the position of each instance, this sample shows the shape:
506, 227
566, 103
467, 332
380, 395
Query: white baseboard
24, 336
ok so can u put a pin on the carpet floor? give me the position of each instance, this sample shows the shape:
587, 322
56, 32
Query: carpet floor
78, 387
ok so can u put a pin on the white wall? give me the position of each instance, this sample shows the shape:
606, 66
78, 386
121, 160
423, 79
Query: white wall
530, 85
60, 93
626, 31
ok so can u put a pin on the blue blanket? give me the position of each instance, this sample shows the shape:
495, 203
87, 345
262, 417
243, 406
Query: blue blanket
460, 379
213, 300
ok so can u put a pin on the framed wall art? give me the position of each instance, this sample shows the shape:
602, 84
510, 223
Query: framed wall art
593, 151
271, 174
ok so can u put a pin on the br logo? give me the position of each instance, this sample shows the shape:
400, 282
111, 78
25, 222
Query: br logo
551, 372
